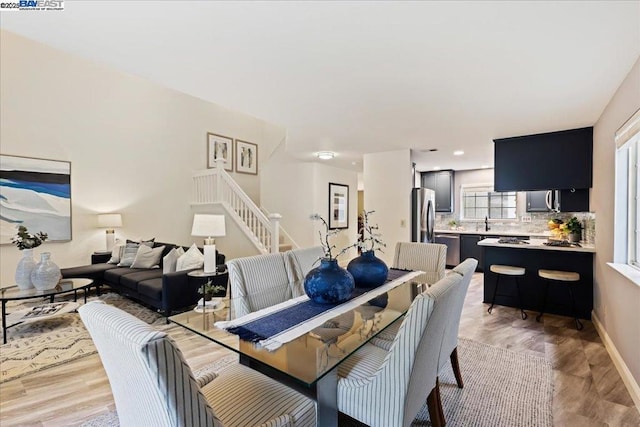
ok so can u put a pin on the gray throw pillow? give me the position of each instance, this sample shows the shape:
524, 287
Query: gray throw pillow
147, 257
128, 255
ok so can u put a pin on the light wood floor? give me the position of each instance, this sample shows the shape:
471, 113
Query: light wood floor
588, 390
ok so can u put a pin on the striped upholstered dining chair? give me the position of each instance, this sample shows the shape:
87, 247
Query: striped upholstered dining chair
450, 341
300, 262
387, 388
257, 282
428, 257
153, 386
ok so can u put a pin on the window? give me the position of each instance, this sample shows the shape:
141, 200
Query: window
627, 201
479, 202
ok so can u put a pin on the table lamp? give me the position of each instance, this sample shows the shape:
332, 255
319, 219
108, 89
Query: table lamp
110, 221
210, 226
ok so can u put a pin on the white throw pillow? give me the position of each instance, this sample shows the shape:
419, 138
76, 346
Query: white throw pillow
170, 260
193, 258
116, 253
147, 257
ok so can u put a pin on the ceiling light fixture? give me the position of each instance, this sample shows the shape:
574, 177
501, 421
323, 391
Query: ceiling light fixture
325, 155
485, 166
458, 153
436, 168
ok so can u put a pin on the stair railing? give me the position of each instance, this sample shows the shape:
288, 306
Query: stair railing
217, 186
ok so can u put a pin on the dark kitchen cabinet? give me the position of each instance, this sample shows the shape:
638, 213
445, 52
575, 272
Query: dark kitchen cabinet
442, 183
574, 200
555, 160
469, 249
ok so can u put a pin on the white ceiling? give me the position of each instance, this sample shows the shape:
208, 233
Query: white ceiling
358, 77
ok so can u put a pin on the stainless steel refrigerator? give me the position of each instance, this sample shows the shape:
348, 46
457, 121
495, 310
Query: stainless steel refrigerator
422, 215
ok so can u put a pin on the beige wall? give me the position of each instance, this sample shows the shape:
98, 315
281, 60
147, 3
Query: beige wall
297, 189
387, 188
133, 145
616, 299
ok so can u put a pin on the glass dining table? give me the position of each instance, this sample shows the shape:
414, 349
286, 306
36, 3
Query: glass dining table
309, 362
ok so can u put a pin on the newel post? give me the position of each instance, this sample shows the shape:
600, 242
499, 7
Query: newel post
275, 232
219, 168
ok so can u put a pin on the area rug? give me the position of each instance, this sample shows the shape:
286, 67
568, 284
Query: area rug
39, 345
501, 388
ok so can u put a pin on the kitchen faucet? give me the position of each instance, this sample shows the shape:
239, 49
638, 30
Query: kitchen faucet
486, 224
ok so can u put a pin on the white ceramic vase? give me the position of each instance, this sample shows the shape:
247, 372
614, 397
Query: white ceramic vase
46, 274
24, 269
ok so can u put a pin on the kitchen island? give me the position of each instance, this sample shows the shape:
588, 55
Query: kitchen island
533, 256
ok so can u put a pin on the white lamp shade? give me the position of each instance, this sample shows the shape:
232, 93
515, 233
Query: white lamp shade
109, 220
208, 225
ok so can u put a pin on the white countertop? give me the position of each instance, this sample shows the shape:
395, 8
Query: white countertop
538, 244
494, 233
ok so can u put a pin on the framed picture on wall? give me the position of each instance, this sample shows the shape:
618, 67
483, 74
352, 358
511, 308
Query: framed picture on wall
219, 147
35, 193
246, 157
338, 206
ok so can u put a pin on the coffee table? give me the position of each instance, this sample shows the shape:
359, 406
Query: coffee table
14, 293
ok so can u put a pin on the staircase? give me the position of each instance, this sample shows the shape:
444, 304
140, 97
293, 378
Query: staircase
215, 186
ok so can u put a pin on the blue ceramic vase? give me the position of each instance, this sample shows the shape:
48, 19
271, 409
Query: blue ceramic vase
329, 283
368, 271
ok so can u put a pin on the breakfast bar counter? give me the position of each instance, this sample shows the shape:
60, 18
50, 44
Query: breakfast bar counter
541, 244
533, 256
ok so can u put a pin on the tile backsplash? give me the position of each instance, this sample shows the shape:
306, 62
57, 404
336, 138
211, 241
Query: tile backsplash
538, 224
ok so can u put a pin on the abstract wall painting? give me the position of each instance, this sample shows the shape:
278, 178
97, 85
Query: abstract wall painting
35, 193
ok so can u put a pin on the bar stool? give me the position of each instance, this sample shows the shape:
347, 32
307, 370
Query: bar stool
507, 270
568, 277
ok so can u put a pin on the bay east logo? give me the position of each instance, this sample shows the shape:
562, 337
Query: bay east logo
41, 4
32, 5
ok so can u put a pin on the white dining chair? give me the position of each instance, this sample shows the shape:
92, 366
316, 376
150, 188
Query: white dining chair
450, 341
387, 387
257, 282
300, 262
427, 257
153, 386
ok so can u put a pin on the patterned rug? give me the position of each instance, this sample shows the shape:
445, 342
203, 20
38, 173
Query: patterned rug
501, 388
42, 344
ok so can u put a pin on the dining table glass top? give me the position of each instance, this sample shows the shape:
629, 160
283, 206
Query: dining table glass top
310, 356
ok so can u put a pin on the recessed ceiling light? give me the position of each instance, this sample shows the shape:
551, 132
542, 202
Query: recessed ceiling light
458, 153
325, 155
436, 168
485, 166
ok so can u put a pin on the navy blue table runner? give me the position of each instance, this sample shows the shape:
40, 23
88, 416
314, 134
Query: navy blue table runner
275, 323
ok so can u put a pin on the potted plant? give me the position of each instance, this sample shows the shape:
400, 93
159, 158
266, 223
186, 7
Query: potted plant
573, 228
367, 270
328, 283
209, 290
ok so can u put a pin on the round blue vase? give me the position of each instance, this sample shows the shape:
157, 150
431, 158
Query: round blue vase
368, 271
329, 283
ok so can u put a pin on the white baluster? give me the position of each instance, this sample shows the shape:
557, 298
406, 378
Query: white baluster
275, 232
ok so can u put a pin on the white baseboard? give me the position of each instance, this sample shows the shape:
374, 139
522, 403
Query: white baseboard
623, 370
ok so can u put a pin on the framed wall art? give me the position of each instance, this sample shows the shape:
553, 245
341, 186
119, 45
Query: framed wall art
35, 193
246, 157
219, 147
338, 206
